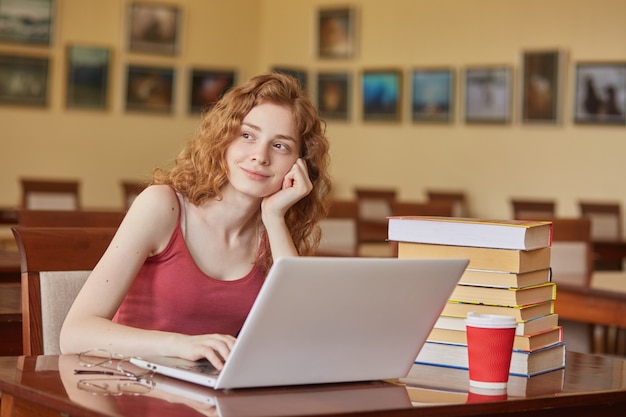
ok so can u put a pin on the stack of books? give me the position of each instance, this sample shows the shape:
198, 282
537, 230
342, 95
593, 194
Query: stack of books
508, 274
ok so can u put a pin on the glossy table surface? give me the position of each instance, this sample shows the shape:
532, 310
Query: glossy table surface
590, 384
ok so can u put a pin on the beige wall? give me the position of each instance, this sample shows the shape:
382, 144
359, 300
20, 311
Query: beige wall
491, 163
101, 148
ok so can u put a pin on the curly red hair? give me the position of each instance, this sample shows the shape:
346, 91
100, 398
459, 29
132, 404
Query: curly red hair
200, 169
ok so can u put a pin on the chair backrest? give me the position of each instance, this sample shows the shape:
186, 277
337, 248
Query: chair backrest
606, 219
374, 205
571, 256
55, 262
130, 190
69, 218
533, 209
442, 208
50, 194
339, 235
457, 198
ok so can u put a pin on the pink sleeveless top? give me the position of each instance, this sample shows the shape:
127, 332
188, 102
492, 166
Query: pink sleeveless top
171, 293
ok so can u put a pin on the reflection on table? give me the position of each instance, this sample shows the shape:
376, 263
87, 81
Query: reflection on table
589, 382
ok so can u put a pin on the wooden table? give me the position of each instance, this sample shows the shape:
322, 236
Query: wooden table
589, 305
44, 385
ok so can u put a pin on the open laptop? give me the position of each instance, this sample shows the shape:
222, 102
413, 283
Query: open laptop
327, 320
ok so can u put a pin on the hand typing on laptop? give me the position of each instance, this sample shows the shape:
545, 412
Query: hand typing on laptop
185, 266
216, 348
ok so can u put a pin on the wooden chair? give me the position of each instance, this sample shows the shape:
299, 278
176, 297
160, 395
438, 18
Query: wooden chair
606, 232
69, 218
339, 236
606, 219
50, 194
443, 208
571, 255
533, 209
571, 262
130, 190
374, 206
457, 198
55, 263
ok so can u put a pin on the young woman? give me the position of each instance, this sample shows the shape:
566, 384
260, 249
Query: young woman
187, 262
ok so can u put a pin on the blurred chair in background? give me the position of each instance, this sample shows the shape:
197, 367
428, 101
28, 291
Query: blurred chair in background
69, 218
606, 233
339, 235
374, 206
130, 190
528, 209
50, 194
456, 198
606, 219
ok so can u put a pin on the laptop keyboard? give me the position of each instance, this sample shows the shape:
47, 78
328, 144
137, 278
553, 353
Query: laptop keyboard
204, 367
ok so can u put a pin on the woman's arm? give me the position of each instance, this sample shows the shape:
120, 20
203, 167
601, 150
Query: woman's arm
145, 231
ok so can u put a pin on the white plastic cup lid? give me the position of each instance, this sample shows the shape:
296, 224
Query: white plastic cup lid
491, 321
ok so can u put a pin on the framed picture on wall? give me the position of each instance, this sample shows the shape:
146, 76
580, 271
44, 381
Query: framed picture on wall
433, 95
153, 28
336, 33
208, 86
488, 94
26, 21
24, 80
299, 74
542, 86
149, 89
87, 77
382, 95
600, 93
333, 95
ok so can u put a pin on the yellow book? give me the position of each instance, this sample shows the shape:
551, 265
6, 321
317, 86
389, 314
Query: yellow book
504, 296
504, 279
504, 260
521, 313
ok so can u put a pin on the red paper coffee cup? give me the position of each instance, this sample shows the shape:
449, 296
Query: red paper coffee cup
489, 347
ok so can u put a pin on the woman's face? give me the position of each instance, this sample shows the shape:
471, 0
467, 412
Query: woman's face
265, 149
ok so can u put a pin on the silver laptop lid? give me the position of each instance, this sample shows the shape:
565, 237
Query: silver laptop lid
322, 320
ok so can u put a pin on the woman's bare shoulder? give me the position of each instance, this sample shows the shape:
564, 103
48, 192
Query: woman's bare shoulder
154, 212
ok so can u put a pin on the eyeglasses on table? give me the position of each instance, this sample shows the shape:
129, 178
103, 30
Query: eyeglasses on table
121, 377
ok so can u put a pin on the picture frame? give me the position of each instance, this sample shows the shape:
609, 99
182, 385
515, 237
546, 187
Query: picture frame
27, 22
488, 97
336, 33
153, 28
600, 96
542, 86
382, 95
432, 98
87, 77
299, 74
24, 80
333, 95
207, 87
149, 89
